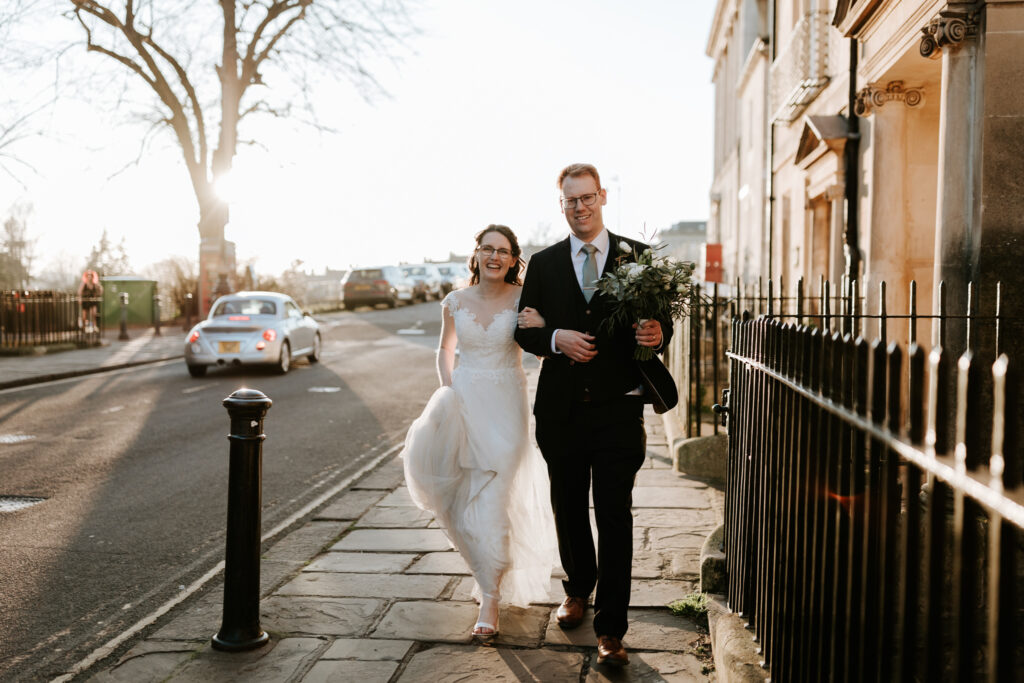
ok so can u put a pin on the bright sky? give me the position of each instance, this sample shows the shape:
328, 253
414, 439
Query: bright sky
491, 102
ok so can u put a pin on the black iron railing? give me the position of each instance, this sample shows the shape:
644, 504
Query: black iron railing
31, 318
863, 541
842, 307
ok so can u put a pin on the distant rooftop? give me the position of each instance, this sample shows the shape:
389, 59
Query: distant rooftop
687, 228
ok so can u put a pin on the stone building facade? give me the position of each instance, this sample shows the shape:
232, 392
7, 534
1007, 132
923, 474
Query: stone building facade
880, 140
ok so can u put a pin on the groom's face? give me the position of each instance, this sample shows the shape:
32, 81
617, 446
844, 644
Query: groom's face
584, 221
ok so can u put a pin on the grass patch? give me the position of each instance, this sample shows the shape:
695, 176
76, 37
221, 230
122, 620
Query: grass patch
694, 605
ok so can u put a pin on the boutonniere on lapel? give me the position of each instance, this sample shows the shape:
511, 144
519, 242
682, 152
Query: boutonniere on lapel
645, 285
625, 253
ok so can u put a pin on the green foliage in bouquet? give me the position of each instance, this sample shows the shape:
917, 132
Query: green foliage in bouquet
646, 286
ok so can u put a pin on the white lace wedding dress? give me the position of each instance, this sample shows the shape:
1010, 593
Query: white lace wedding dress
469, 460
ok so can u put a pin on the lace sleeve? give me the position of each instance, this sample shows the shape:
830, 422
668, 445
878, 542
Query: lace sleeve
451, 302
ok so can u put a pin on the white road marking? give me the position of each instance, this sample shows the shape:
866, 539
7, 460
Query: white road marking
113, 409
324, 390
192, 390
15, 438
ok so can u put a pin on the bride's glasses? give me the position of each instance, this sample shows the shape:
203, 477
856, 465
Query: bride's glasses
487, 252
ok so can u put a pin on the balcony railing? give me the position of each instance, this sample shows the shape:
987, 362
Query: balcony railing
804, 66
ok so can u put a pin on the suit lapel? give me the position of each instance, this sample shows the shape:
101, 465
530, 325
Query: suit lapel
613, 251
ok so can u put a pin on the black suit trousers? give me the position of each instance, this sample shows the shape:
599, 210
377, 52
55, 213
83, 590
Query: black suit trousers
601, 445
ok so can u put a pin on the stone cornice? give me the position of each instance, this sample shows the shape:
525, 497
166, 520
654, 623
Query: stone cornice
721, 27
872, 97
947, 30
851, 16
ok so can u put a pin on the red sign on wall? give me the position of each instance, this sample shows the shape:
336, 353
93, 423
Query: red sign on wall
713, 263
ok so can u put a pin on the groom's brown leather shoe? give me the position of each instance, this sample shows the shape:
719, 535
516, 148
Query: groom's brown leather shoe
611, 652
570, 612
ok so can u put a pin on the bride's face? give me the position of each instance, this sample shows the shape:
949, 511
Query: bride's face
494, 256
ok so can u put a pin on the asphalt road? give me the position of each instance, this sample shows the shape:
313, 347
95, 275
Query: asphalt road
133, 468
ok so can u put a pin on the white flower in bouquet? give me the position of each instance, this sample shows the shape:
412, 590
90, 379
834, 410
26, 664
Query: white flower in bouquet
644, 286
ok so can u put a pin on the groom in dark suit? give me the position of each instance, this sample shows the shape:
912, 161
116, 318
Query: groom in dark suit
589, 407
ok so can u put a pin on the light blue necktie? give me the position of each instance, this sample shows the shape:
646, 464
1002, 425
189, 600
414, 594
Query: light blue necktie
589, 272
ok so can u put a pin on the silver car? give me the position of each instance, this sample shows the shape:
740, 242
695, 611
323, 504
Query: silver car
428, 280
252, 328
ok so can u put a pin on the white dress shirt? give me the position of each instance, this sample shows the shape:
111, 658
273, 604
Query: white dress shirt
579, 255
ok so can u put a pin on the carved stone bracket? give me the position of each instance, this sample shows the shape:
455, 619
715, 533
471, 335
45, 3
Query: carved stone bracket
873, 97
948, 29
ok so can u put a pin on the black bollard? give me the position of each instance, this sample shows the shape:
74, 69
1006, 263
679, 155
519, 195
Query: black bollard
124, 317
156, 316
240, 627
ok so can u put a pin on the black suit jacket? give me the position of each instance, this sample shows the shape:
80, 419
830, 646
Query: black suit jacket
552, 288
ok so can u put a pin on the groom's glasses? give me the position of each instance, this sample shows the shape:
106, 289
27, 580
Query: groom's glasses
570, 202
488, 252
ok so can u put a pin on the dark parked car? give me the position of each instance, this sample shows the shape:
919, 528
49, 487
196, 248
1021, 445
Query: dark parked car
372, 286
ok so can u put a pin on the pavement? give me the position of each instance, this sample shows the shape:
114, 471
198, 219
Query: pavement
61, 361
366, 587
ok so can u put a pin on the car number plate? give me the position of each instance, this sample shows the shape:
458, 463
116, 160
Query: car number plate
228, 347
362, 288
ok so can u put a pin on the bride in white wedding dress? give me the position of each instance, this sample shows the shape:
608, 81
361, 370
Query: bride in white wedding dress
468, 458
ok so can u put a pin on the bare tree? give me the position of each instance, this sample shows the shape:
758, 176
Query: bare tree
269, 54
202, 70
108, 259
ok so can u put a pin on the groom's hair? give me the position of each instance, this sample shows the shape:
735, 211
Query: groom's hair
577, 170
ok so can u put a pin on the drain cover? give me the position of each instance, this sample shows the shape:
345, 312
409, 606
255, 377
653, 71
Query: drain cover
12, 503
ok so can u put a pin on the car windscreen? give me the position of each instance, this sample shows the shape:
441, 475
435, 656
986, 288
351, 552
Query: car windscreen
415, 271
367, 274
246, 307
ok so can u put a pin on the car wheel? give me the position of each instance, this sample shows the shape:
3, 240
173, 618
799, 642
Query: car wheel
314, 357
284, 361
197, 370
391, 303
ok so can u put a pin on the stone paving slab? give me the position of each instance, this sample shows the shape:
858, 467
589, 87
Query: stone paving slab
659, 477
319, 616
649, 629
428, 621
386, 476
273, 663
327, 671
647, 667
394, 517
394, 540
398, 498
440, 563
198, 622
658, 593
678, 538
693, 520
351, 505
455, 664
306, 541
365, 585
684, 564
669, 497
150, 661
385, 563
368, 650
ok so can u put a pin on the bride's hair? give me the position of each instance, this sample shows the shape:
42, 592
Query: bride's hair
515, 270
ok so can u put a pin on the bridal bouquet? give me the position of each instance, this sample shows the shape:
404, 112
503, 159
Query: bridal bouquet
648, 286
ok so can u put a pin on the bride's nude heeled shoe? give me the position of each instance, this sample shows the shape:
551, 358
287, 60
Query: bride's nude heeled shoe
480, 624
